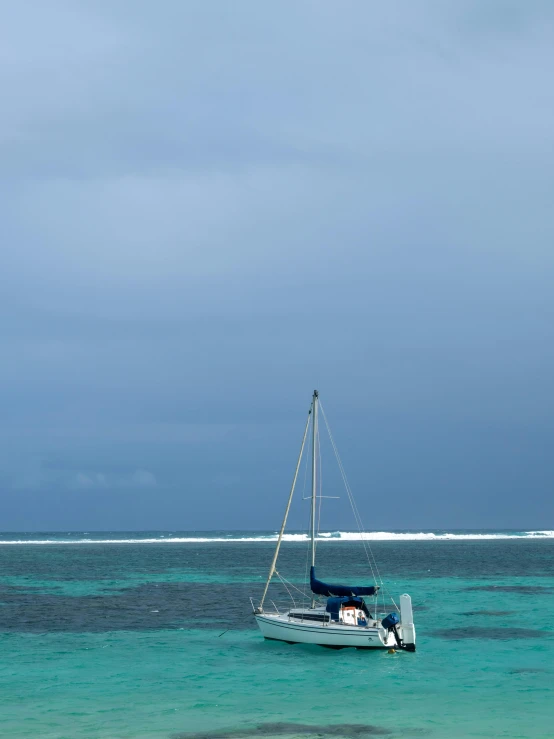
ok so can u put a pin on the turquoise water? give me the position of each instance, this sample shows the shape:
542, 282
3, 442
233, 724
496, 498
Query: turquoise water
156, 640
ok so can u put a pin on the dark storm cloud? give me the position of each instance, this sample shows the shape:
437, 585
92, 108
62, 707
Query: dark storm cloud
207, 209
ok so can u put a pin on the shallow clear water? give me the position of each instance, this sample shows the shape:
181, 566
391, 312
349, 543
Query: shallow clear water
156, 640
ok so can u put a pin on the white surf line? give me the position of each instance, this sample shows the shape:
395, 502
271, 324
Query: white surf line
323, 537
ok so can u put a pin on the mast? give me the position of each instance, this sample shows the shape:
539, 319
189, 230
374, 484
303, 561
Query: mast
281, 532
314, 477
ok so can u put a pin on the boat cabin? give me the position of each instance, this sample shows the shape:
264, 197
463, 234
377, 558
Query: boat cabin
350, 611
352, 616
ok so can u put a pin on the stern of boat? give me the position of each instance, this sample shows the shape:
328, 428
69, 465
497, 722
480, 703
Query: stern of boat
408, 633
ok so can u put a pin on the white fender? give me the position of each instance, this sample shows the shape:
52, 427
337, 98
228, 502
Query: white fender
407, 619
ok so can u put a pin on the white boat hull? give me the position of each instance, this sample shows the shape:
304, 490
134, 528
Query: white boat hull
336, 635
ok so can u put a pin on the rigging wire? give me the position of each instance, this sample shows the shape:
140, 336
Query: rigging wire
371, 559
306, 456
286, 588
367, 547
292, 585
320, 479
307, 529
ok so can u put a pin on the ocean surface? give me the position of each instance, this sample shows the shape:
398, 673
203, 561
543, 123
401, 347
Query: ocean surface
150, 635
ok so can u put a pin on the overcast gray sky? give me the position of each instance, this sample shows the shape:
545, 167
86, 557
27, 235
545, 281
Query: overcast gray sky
207, 209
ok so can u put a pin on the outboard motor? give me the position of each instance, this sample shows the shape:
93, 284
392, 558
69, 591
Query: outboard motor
389, 623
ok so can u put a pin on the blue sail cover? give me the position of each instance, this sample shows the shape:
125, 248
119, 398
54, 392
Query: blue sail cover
321, 588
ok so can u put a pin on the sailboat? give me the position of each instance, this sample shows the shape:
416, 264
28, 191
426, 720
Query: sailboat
347, 617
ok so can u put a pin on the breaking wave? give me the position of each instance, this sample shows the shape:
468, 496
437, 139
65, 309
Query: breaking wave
220, 537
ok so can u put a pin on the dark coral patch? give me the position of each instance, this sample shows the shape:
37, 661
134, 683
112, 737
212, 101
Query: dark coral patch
515, 589
142, 608
287, 729
475, 632
488, 613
